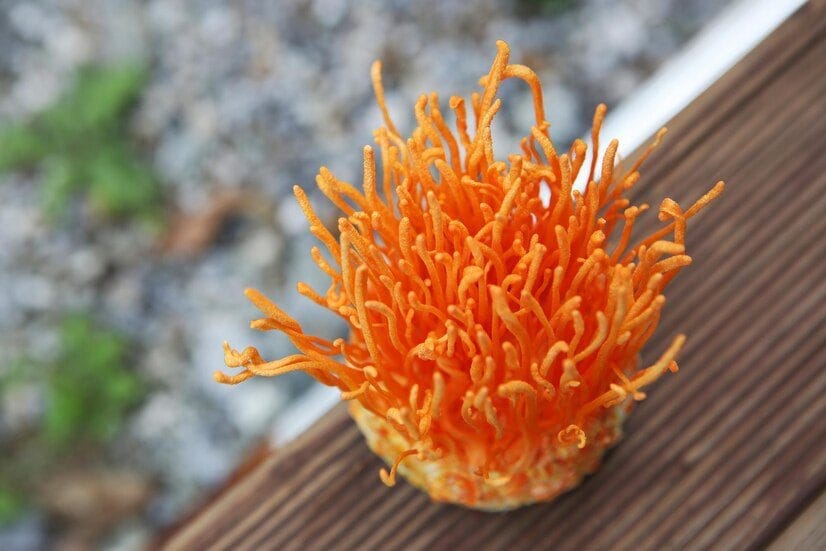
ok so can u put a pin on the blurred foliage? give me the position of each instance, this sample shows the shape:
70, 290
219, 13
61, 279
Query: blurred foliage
545, 7
11, 504
81, 144
88, 390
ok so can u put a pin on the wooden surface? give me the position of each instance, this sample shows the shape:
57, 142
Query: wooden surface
730, 452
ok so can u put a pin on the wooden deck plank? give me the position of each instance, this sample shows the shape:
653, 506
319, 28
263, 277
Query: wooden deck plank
728, 453
808, 531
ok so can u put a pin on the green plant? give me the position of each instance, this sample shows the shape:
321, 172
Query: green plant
11, 505
81, 143
546, 7
88, 389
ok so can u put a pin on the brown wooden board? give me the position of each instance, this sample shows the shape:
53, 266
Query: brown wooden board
730, 452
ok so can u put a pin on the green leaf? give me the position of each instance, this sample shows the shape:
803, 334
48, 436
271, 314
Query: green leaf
82, 144
11, 505
90, 388
20, 147
96, 103
64, 416
60, 179
120, 185
547, 7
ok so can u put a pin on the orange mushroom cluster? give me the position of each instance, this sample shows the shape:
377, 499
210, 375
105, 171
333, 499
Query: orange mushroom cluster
494, 331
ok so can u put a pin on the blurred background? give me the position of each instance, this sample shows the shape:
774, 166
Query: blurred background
147, 155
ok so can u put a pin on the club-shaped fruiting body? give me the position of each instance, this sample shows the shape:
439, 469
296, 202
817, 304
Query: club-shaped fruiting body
495, 324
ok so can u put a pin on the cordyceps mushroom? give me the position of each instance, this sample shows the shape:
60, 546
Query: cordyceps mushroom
494, 332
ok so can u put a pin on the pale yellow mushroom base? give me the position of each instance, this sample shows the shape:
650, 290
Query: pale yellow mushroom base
558, 468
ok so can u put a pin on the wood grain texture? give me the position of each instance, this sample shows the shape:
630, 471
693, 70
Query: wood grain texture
730, 452
808, 531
